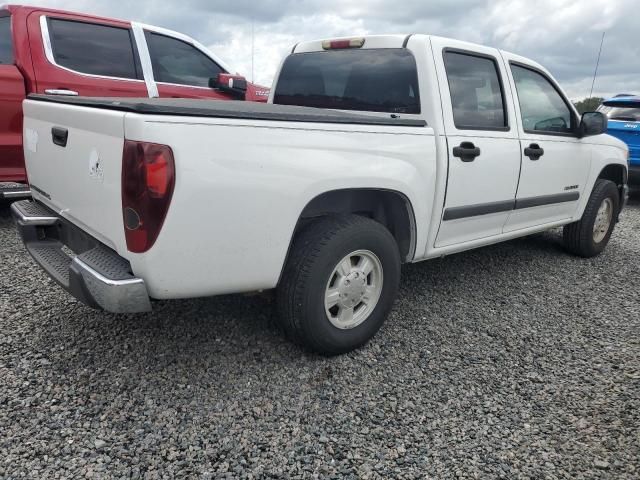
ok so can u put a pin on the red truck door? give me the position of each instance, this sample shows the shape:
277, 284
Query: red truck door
78, 55
180, 69
13, 92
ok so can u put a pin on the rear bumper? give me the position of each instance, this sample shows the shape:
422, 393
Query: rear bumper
14, 191
87, 269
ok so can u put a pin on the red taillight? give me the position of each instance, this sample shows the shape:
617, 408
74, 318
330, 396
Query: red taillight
340, 44
148, 179
159, 175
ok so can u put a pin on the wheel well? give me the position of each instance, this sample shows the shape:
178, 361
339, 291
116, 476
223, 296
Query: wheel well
618, 175
390, 208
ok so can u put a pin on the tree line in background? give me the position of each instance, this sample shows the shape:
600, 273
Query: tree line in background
588, 104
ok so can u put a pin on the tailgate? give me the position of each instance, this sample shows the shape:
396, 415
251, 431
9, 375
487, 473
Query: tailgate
74, 162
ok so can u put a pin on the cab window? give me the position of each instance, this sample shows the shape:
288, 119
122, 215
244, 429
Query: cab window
94, 49
6, 46
175, 61
476, 92
542, 108
371, 80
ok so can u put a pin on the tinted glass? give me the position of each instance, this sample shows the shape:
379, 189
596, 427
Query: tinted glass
94, 49
543, 109
367, 80
178, 62
624, 114
476, 93
6, 47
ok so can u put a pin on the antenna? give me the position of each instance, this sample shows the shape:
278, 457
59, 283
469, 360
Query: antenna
253, 47
595, 74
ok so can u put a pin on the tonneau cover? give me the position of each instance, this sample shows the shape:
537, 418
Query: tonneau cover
228, 109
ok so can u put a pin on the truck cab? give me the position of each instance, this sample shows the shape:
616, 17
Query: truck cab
508, 136
64, 53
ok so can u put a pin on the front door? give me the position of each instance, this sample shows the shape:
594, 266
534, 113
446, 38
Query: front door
555, 162
483, 145
180, 69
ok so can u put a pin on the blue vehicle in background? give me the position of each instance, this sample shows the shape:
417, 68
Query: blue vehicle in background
623, 112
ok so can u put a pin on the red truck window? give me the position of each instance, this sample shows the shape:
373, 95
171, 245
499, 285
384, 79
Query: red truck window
94, 49
175, 61
6, 47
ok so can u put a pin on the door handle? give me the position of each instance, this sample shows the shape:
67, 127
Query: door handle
59, 136
61, 91
534, 152
466, 151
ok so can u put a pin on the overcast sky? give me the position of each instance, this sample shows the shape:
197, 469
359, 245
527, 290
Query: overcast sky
563, 35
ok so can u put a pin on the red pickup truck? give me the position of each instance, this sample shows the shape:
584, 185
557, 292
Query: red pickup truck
63, 53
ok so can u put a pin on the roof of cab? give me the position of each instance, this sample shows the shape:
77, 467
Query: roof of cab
401, 41
375, 41
371, 41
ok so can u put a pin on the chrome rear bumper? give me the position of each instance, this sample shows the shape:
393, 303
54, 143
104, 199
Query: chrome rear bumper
14, 191
87, 269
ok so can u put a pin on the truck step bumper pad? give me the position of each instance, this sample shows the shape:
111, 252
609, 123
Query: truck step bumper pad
14, 191
33, 214
90, 271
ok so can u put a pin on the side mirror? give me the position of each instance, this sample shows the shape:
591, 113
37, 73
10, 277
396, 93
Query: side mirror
592, 123
235, 85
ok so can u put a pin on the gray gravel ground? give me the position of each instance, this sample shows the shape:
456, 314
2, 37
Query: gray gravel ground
514, 361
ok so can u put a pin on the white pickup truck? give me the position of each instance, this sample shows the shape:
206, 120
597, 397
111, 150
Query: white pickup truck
372, 152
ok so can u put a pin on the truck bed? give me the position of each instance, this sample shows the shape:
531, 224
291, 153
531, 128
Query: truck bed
226, 109
243, 175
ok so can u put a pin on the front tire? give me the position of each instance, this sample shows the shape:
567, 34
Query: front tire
590, 235
339, 283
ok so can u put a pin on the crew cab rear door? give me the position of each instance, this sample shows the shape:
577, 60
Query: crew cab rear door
483, 146
78, 55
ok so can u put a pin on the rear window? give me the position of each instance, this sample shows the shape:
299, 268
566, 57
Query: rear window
94, 49
6, 46
624, 114
376, 80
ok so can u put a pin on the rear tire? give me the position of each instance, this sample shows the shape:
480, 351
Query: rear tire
590, 235
339, 283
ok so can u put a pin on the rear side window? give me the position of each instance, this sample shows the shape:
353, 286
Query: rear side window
6, 45
542, 107
94, 49
175, 61
375, 80
476, 92
621, 113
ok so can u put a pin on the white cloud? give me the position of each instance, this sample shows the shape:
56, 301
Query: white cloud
563, 35
274, 41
